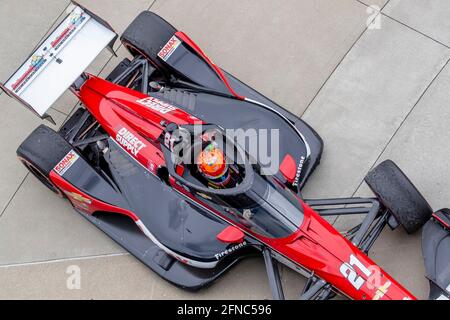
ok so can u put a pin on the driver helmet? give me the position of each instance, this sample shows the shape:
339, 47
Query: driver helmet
211, 163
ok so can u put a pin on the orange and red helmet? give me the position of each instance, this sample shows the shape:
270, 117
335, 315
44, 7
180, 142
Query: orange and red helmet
212, 163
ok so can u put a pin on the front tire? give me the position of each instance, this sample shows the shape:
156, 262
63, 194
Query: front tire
397, 193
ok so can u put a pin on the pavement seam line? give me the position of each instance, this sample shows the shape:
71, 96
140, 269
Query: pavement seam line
368, 5
59, 111
51, 27
33, 263
403, 122
415, 30
406, 25
151, 5
14, 194
420, 32
340, 62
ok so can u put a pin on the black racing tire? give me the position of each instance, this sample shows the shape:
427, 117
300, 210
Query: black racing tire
147, 35
41, 152
398, 194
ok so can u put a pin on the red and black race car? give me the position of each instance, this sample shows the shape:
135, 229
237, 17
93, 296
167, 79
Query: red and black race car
161, 156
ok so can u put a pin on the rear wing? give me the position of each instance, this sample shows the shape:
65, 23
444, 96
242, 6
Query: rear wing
59, 60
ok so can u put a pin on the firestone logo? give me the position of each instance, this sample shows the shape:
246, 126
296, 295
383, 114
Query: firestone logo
299, 171
169, 48
230, 250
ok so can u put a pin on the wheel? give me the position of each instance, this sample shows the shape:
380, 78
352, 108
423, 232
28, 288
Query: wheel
41, 152
397, 193
147, 35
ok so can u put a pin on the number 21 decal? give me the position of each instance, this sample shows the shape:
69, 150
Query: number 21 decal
349, 271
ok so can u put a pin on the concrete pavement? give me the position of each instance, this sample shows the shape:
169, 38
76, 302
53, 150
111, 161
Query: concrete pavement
372, 93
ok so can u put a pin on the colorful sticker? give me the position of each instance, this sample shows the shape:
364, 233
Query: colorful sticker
381, 291
75, 20
169, 48
78, 197
66, 162
79, 201
37, 61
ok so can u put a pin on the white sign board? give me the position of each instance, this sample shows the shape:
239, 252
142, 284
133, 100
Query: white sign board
60, 60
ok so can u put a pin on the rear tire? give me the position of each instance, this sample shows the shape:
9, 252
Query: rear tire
147, 35
397, 193
41, 152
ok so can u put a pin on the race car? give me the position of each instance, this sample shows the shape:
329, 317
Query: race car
166, 156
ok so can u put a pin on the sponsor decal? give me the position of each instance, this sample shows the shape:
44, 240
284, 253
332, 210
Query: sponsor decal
129, 141
354, 271
37, 61
169, 48
157, 105
299, 171
79, 201
381, 291
78, 197
81, 206
75, 20
66, 162
230, 250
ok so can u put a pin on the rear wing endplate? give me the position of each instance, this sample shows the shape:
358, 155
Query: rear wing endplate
59, 60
